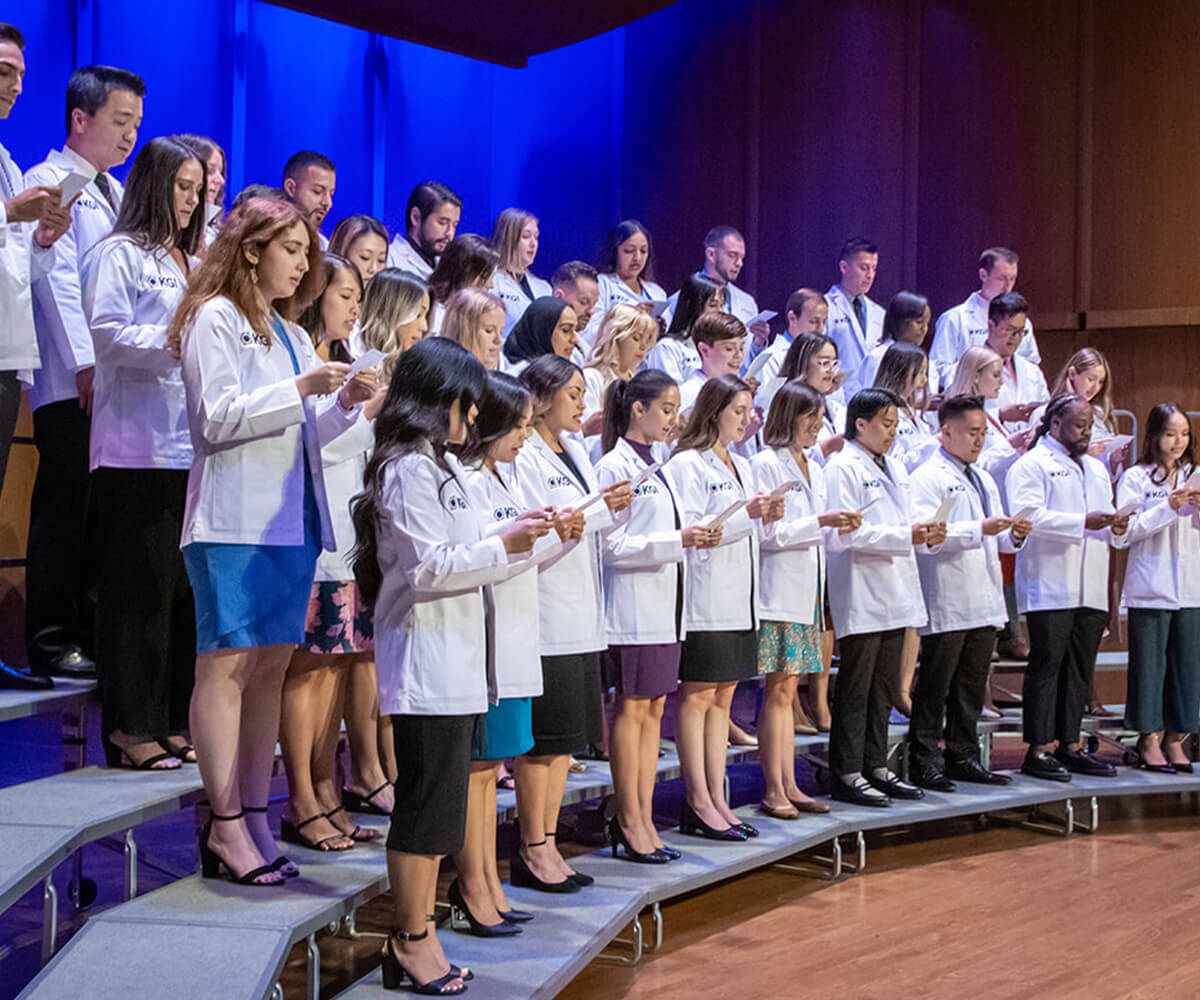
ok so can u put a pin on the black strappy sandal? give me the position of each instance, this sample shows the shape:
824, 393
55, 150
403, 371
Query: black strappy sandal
353, 802
211, 862
283, 863
395, 975
183, 750
290, 832
360, 835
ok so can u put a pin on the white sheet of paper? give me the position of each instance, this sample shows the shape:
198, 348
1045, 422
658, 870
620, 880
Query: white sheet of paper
868, 505
211, 212
782, 488
1129, 508
589, 501
758, 364
645, 474
1193, 482
763, 317
368, 360
71, 185
1115, 442
658, 307
944, 508
1024, 514
726, 514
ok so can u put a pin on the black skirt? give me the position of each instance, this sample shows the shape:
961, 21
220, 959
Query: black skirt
568, 715
433, 760
719, 657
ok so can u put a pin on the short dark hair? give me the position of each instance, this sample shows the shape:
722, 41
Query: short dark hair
570, 272
10, 34
718, 233
426, 197
256, 191
856, 245
865, 405
958, 406
299, 162
989, 257
89, 87
1007, 305
799, 299
713, 326
794, 399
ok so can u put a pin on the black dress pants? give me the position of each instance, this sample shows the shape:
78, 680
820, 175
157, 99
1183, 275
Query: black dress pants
1062, 656
58, 608
868, 673
950, 684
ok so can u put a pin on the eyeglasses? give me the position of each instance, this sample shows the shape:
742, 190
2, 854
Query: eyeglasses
826, 364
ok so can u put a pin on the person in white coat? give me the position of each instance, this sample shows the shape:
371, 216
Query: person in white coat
478, 904
1024, 388
675, 352
554, 471
576, 282
874, 595
475, 318
1062, 584
643, 593
515, 238
423, 560
395, 315
31, 220
805, 312
626, 274
1162, 592
964, 600
904, 370
905, 322
813, 359
720, 607
141, 451
966, 324
469, 261
548, 326
430, 222
363, 241
256, 512
791, 585
104, 111
626, 336
855, 320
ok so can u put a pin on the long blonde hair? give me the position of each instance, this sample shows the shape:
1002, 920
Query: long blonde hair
393, 298
966, 375
506, 236
1083, 360
464, 313
619, 324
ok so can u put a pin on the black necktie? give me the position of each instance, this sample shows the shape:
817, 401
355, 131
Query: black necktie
106, 190
860, 310
882, 463
523, 281
975, 481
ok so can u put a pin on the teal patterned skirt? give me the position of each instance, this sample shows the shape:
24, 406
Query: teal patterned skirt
789, 648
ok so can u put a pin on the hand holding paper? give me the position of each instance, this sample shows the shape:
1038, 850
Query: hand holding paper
782, 488
658, 307
368, 360
944, 508
71, 185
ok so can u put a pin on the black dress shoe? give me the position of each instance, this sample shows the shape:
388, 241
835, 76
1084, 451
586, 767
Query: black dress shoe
15, 680
857, 794
66, 660
893, 786
1042, 764
932, 777
1082, 762
970, 770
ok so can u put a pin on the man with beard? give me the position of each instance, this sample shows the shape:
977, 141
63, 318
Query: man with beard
308, 183
431, 220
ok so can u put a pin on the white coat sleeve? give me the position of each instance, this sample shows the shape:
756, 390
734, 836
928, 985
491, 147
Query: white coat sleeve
960, 535
844, 494
110, 301
72, 338
628, 549
1147, 522
1026, 484
419, 525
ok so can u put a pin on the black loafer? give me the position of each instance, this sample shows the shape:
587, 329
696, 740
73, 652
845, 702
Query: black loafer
66, 661
15, 680
856, 794
970, 770
1082, 762
1041, 764
894, 787
931, 776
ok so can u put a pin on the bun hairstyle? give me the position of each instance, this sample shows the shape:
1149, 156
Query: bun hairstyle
645, 387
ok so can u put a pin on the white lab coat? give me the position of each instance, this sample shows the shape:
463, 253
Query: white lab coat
248, 423
965, 326
642, 557
1028, 386
343, 462
570, 589
509, 291
962, 582
21, 260
430, 628
678, 358
515, 619
792, 569
873, 581
139, 414
776, 351
1164, 545
852, 341
64, 339
910, 446
722, 587
864, 378
833, 423
738, 303
613, 291
1061, 565
402, 254
996, 458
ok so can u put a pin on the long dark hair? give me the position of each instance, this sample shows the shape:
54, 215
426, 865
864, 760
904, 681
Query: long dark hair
313, 318
468, 260
501, 409
905, 308
606, 263
1057, 407
426, 382
795, 362
897, 370
702, 431
645, 387
147, 215
695, 294
794, 400
1151, 454
544, 376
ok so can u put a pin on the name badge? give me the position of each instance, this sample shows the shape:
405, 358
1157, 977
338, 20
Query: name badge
503, 513
554, 482
455, 502
720, 486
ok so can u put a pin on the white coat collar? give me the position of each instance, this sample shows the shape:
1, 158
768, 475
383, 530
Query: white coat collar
864, 457
714, 460
1057, 453
539, 442
792, 467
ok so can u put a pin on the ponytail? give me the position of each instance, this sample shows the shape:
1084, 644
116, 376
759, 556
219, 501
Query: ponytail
645, 387
1057, 406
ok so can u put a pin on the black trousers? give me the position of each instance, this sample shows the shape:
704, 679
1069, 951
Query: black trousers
1062, 657
868, 674
10, 405
145, 616
58, 608
950, 683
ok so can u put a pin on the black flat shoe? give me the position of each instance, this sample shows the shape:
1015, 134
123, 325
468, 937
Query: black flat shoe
1082, 762
462, 919
1041, 764
690, 823
356, 803
858, 794
893, 787
58, 659
933, 778
970, 770
520, 876
617, 838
